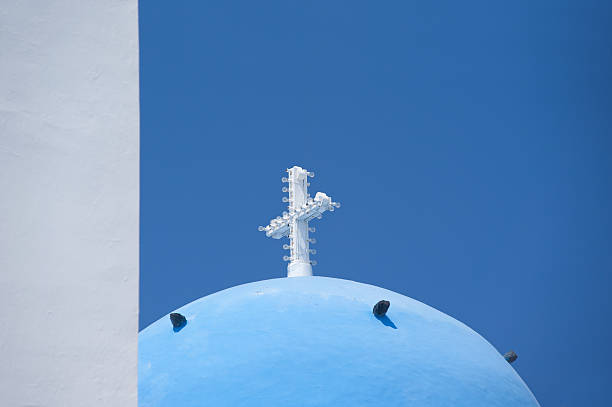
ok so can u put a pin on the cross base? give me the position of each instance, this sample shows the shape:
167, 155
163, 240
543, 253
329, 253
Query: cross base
299, 269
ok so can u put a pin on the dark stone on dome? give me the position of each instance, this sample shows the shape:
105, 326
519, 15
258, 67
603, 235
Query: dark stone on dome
381, 307
510, 356
178, 320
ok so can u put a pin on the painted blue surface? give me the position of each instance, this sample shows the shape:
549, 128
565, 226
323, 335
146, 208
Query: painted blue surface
313, 341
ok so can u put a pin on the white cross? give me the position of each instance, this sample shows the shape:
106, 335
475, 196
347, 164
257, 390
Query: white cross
294, 224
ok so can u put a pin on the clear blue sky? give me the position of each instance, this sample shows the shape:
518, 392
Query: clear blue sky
468, 142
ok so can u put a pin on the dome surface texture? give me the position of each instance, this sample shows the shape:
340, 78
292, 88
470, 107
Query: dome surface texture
314, 341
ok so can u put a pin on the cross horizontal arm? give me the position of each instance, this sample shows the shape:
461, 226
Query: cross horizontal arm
313, 208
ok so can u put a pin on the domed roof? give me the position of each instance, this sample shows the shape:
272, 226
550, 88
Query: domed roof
314, 341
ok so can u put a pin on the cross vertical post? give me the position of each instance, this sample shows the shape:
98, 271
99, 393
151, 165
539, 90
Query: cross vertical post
294, 224
298, 229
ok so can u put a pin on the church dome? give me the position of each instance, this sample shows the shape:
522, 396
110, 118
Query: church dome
314, 341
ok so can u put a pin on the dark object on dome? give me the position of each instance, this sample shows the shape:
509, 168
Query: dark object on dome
178, 321
381, 307
510, 356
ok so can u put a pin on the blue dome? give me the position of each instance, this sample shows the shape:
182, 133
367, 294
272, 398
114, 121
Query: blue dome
314, 341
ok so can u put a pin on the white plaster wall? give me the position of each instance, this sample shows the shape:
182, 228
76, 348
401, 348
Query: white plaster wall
69, 179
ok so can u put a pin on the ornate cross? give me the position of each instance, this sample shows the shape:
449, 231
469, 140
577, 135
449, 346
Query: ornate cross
294, 224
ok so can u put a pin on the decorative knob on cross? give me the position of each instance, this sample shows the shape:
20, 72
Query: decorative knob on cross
294, 223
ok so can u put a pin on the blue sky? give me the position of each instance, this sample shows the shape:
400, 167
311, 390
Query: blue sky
468, 142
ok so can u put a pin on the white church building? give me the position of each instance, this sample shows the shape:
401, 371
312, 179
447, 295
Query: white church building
69, 179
